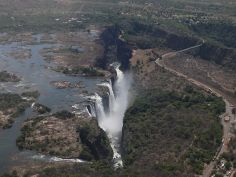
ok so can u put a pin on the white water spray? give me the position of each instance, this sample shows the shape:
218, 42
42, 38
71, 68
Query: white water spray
111, 94
99, 107
56, 159
112, 121
91, 111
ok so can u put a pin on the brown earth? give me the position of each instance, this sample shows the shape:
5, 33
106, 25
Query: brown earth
53, 136
65, 135
78, 49
149, 75
201, 69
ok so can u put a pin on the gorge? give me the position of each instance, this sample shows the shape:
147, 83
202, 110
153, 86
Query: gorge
111, 121
117, 88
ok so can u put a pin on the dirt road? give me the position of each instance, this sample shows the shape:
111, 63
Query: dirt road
226, 124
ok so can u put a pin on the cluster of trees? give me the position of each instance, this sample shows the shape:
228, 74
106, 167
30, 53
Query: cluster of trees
14, 102
85, 71
146, 35
7, 77
175, 132
64, 114
96, 145
8, 100
32, 94
220, 31
41, 109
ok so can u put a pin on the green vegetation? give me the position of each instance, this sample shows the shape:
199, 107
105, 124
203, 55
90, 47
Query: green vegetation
227, 160
95, 143
95, 169
7, 77
13, 174
9, 100
26, 130
147, 35
222, 32
168, 133
41, 109
33, 94
175, 133
49, 134
64, 115
234, 111
84, 71
11, 106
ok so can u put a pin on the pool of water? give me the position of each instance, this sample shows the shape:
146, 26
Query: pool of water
35, 75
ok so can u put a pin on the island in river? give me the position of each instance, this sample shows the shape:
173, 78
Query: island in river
58, 70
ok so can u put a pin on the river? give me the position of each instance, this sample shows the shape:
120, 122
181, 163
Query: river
35, 75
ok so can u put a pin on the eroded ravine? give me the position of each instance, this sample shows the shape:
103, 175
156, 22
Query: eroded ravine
112, 120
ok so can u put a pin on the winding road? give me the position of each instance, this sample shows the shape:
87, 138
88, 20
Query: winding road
229, 106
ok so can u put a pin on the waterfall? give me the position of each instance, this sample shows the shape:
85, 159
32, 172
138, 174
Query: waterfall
88, 111
111, 95
99, 108
112, 121
91, 110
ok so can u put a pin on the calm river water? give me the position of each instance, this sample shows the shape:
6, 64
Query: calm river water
35, 75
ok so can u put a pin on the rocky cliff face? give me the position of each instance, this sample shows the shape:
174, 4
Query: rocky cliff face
115, 49
177, 42
65, 135
118, 50
96, 146
145, 36
220, 55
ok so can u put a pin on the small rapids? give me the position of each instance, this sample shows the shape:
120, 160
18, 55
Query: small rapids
111, 121
56, 159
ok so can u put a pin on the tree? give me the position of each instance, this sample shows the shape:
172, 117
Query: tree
234, 111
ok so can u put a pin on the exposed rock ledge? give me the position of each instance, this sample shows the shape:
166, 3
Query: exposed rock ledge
65, 135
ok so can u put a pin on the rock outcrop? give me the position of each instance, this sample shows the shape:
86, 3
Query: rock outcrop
115, 49
65, 135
